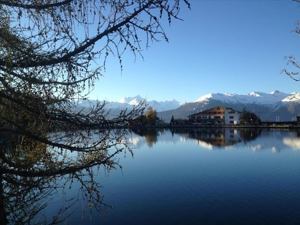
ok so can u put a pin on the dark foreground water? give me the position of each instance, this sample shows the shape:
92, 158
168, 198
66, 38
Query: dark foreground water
194, 177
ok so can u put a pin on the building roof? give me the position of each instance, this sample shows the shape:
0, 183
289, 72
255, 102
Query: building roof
214, 110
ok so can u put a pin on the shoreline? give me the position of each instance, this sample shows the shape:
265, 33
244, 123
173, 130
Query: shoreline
196, 126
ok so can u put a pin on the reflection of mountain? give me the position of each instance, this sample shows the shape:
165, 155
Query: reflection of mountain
293, 142
248, 139
274, 141
253, 139
207, 138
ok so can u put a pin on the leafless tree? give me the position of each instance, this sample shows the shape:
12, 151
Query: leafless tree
52, 51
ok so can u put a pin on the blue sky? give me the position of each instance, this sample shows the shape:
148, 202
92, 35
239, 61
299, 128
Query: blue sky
234, 46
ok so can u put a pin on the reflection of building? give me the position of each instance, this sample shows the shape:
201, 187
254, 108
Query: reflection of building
217, 137
216, 116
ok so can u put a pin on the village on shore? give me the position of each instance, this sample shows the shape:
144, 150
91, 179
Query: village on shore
218, 116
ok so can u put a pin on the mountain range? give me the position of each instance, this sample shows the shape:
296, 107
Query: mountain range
115, 107
274, 106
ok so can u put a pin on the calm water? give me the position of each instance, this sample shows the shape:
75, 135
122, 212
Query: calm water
198, 177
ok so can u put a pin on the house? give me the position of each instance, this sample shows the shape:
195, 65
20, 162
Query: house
232, 116
216, 116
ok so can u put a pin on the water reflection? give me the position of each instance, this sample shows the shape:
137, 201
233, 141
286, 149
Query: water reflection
220, 137
227, 138
149, 134
209, 138
42, 185
293, 142
33, 175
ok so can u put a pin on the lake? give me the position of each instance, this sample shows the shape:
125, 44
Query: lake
224, 176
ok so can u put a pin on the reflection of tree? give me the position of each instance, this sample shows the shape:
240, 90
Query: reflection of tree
151, 137
149, 134
31, 172
23, 198
250, 134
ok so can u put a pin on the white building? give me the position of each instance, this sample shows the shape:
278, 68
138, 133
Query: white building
231, 116
217, 115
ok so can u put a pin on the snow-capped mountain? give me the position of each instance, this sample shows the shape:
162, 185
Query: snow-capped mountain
274, 106
294, 97
251, 98
129, 102
157, 105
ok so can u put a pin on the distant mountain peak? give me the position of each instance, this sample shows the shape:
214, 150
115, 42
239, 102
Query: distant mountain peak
256, 94
276, 92
204, 97
295, 97
129, 102
132, 100
254, 97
